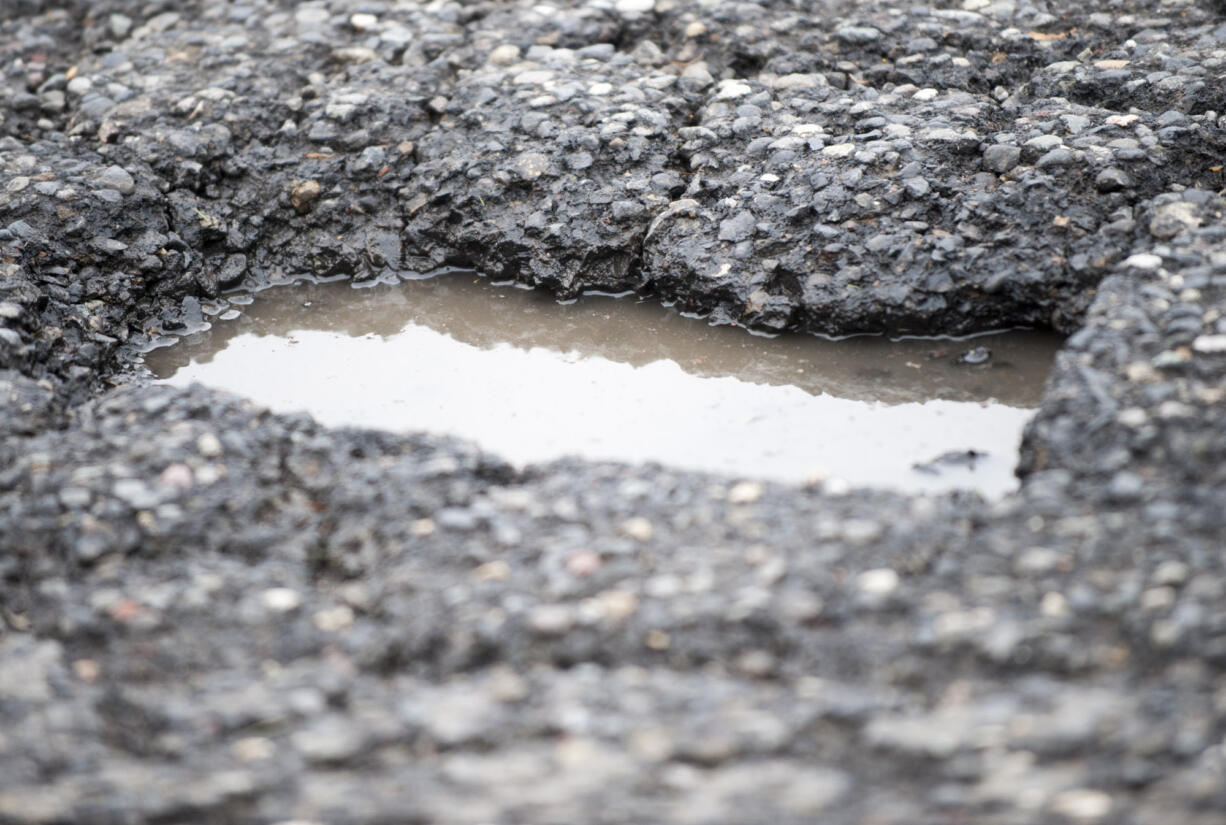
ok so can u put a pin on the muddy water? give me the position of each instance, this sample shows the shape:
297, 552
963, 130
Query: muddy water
628, 380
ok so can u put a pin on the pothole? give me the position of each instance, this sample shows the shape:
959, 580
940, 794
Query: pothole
627, 379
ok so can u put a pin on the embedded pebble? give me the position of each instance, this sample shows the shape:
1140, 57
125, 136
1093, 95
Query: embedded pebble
281, 599
880, 582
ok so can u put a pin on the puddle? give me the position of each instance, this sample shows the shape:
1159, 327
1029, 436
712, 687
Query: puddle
628, 380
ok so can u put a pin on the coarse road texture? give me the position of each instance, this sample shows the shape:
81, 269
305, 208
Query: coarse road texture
211, 614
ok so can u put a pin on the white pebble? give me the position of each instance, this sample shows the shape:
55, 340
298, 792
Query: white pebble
1144, 260
879, 582
208, 445
638, 528
504, 55
1209, 343
1083, 804
334, 618
280, 599
839, 150
634, 7
731, 89
745, 492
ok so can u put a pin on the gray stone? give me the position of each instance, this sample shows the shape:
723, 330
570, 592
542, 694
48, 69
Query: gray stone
739, 227
1055, 158
1001, 158
1112, 179
117, 178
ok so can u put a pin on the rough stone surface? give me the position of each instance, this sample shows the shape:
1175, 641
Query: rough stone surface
209, 613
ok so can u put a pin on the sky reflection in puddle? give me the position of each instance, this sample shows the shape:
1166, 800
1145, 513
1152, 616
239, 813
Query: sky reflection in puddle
626, 380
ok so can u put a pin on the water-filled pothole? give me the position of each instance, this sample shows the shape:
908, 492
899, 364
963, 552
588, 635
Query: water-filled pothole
628, 380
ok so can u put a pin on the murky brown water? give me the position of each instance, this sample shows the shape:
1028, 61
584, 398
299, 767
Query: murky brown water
624, 379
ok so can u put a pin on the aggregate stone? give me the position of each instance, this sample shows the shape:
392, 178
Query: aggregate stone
212, 613
114, 177
1112, 180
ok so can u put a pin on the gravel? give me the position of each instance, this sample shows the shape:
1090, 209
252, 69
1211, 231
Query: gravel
211, 613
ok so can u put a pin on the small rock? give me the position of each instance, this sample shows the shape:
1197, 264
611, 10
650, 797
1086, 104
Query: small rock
657, 640
756, 663
354, 54
1082, 804
333, 619
625, 210
311, 16
1144, 260
1126, 486
254, 749
331, 740
1209, 343
978, 355
456, 717
1053, 605
303, 194
531, 165
208, 445
745, 492
917, 187
633, 8
881, 581
697, 76
1170, 573
551, 619
1157, 598
857, 35
232, 271
504, 55
839, 150
1055, 158
1038, 560
280, 599
738, 228
1001, 158
732, 89
1112, 180
79, 85
578, 161
120, 25
1044, 143
1172, 219
944, 134
583, 563
177, 475
493, 571
136, 493
75, 498
861, 531
638, 528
